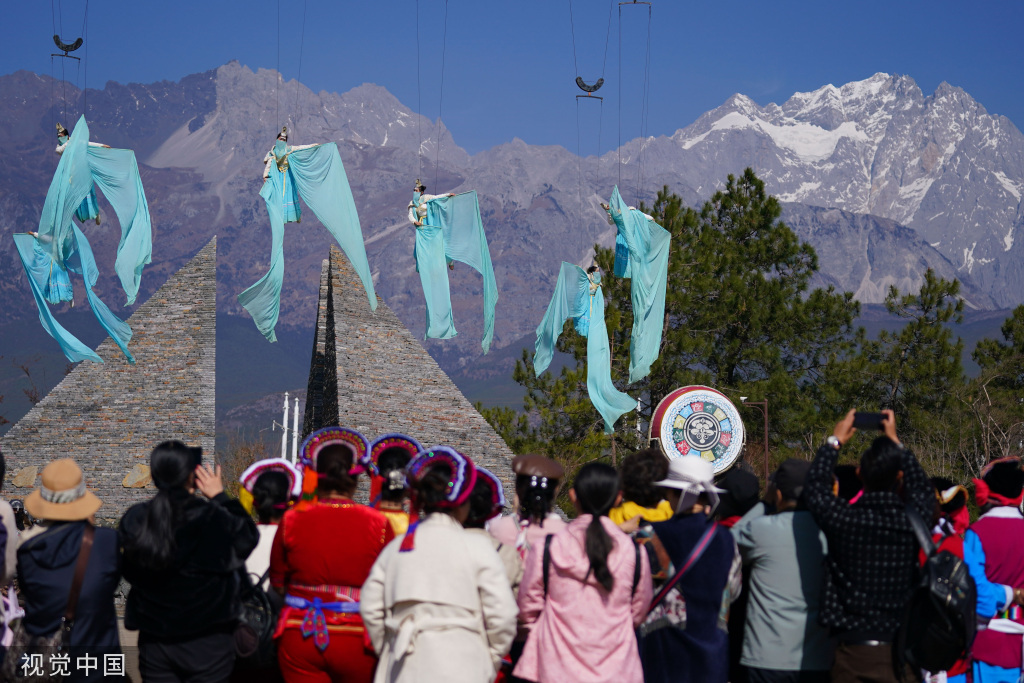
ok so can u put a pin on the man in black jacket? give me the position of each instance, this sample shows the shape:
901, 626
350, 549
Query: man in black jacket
872, 552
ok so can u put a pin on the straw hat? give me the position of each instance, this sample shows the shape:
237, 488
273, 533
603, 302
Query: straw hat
62, 497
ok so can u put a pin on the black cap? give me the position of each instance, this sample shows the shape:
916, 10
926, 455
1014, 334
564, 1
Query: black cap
741, 493
1005, 477
789, 478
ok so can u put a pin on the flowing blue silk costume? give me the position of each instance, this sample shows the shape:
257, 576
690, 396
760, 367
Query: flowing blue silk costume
641, 253
89, 209
453, 231
318, 176
61, 247
573, 299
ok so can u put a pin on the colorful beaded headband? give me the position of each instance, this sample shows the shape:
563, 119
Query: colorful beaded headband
497, 490
253, 472
463, 476
388, 441
333, 436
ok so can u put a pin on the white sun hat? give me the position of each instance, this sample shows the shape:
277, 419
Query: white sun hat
693, 476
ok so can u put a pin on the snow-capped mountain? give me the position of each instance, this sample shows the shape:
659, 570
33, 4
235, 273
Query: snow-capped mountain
939, 164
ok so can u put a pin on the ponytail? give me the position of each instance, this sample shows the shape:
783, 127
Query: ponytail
597, 487
171, 463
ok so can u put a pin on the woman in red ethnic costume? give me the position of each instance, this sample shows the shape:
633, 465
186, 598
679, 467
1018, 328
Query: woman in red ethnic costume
321, 556
391, 453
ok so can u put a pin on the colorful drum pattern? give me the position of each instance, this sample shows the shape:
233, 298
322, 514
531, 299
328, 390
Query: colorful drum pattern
702, 422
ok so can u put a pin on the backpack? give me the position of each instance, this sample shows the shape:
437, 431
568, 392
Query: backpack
939, 625
254, 635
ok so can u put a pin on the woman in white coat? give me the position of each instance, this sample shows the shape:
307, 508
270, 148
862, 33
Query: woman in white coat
437, 604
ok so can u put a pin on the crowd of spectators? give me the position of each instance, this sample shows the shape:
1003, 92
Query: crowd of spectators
641, 582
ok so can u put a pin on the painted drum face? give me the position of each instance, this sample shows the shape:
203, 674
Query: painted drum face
699, 421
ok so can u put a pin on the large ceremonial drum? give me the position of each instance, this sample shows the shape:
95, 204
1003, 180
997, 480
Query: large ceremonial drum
698, 421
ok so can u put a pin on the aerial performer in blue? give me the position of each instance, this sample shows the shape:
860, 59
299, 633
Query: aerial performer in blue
60, 247
449, 229
578, 296
315, 173
641, 254
89, 209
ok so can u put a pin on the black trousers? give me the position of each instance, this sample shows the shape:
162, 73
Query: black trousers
206, 659
868, 664
755, 675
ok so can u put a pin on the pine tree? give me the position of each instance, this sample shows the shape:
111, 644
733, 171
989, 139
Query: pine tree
914, 370
739, 316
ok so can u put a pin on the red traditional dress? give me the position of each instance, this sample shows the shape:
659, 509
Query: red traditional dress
321, 556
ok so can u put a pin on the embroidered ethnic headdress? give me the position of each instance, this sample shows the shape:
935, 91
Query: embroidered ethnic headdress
253, 472
952, 499
283, 135
1002, 483
388, 477
487, 478
459, 472
62, 131
338, 436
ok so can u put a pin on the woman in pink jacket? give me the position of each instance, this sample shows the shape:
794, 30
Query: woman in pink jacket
596, 594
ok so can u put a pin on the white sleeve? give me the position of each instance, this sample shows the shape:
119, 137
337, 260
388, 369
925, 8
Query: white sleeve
371, 599
60, 148
497, 604
413, 218
11, 550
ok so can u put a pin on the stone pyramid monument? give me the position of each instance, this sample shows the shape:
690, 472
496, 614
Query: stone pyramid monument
108, 416
369, 373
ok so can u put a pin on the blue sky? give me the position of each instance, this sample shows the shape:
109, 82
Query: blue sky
509, 66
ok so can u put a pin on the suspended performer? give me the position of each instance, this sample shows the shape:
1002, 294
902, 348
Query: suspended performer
449, 229
641, 254
317, 175
578, 295
418, 212
276, 170
59, 246
89, 209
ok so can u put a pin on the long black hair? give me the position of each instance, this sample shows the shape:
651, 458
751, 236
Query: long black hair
171, 463
597, 487
270, 495
536, 497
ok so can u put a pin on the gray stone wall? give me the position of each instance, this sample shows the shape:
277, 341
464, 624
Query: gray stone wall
108, 416
385, 381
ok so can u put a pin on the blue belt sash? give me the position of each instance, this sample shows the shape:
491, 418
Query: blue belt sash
314, 624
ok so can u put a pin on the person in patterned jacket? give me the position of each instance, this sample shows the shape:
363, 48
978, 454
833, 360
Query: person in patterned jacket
872, 552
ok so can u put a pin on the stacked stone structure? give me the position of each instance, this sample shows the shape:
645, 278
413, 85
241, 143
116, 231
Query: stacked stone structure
108, 416
369, 373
